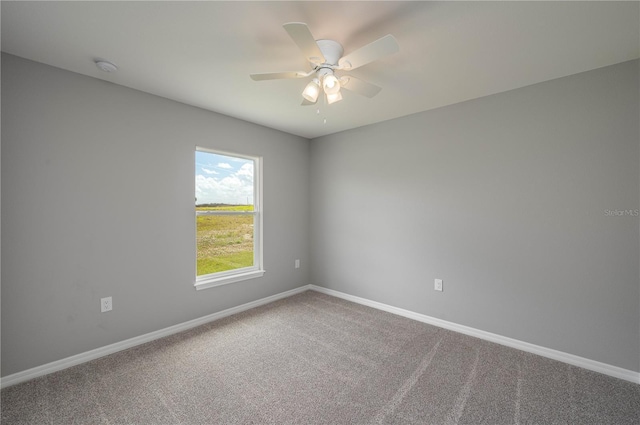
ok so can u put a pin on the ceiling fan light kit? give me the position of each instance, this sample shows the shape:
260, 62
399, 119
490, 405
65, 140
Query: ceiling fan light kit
330, 84
325, 57
333, 98
312, 91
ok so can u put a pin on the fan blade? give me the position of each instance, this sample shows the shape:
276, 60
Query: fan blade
302, 36
278, 75
380, 48
359, 86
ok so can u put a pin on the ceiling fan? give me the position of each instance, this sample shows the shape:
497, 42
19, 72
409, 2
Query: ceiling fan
325, 57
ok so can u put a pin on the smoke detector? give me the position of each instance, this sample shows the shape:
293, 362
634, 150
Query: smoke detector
105, 66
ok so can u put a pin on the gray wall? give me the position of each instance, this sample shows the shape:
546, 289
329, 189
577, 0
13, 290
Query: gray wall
504, 198
97, 200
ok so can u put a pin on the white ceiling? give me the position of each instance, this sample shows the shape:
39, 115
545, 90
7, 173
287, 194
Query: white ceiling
201, 53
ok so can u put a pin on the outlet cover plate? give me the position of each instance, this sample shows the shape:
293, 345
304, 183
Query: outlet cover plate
438, 285
106, 304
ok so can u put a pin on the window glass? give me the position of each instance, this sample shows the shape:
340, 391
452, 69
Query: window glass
227, 214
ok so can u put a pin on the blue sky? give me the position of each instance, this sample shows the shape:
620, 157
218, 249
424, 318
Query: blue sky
223, 179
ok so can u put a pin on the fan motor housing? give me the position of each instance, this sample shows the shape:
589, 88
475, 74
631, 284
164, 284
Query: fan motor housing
331, 50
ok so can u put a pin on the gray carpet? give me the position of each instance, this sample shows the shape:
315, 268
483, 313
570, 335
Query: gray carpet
316, 359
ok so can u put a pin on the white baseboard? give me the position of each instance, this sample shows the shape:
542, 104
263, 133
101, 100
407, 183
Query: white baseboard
617, 372
35, 372
596, 366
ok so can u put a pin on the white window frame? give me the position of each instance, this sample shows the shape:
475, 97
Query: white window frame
237, 275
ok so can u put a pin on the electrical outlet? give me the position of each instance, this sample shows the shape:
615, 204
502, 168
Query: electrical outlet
106, 304
438, 285
297, 265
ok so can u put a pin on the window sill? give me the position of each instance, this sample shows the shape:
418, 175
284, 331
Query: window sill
212, 282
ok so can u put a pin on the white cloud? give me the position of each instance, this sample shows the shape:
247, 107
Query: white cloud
224, 165
208, 171
246, 171
234, 189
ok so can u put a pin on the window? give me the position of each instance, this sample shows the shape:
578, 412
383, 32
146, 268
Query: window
228, 218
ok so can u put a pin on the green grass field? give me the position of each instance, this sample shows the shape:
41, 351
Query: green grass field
225, 242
